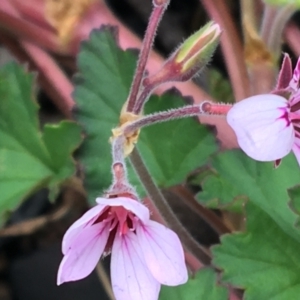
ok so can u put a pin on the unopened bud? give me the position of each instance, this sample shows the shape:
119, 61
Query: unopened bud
190, 57
197, 50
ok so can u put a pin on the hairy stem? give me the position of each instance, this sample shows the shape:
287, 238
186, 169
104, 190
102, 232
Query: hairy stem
163, 207
154, 20
119, 172
176, 113
143, 96
118, 150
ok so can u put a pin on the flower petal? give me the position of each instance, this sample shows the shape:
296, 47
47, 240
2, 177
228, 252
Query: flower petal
294, 99
163, 253
139, 209
262, 126
76, 228
285, 73
130, 276
294, 83
84, 253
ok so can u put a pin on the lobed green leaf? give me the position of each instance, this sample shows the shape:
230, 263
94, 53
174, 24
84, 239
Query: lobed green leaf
29, 159
203, 286
264, 260
264, 185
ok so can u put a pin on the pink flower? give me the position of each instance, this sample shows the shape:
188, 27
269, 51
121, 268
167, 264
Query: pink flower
144, 253
263, 126
268, 126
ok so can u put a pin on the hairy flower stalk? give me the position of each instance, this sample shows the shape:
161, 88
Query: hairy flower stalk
188, 60
144, 253
128, 132
268, 126
156, 15
164, 116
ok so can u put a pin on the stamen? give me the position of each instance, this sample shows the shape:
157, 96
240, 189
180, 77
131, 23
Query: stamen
113, 224
297, 129
294, 116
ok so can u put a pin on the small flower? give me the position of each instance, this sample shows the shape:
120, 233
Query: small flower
144, 253
268, 126
262, 126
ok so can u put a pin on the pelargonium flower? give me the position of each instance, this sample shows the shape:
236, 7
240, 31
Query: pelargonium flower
263, 126
144, 253
267, 126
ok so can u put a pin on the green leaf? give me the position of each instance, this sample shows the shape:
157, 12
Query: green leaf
173, 149
219, 87
294, 194
170, 150
261, 183
265, 260
28, 159
219, 192
203, 286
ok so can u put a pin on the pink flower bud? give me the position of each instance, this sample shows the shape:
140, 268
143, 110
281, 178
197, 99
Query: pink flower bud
190, 57
197, 50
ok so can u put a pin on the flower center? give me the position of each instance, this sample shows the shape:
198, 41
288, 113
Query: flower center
286, 115
119, 220
292, 115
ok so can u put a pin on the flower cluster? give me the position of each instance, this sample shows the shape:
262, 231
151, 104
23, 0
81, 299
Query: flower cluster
267, 126
144, 253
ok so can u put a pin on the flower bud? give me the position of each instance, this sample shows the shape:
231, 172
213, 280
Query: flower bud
197, 50
190, 57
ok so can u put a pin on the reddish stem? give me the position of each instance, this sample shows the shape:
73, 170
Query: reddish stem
118, 150
232, 48
176, 113
215, 108
158, 199
143, 97
154, 20
128, 40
